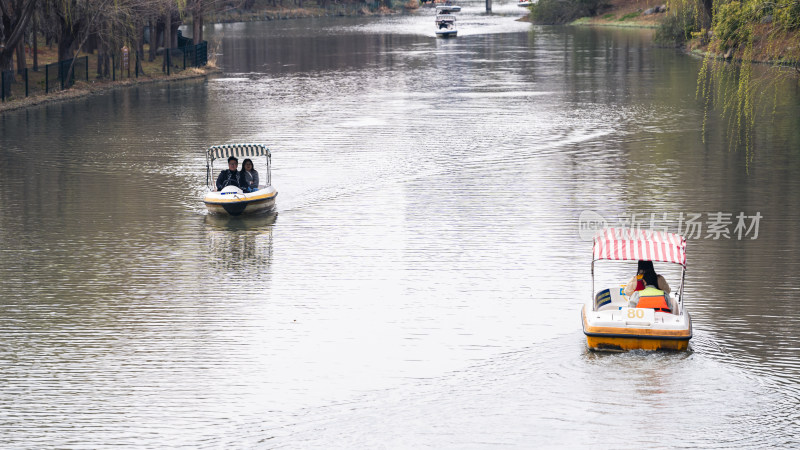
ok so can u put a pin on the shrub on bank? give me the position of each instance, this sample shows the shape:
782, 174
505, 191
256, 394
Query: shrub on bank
766, 31
557, 12
787, 14
678, 26
730, 26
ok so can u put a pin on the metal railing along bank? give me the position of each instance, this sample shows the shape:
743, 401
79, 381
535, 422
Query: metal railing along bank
63, 74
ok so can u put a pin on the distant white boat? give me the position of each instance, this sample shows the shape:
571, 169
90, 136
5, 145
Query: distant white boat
446, 25
447, 9
526, 3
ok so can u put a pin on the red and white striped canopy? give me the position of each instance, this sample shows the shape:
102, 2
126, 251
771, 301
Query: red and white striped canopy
629, 244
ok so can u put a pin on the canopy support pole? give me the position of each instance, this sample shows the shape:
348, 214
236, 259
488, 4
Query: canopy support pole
592, 297
683, 279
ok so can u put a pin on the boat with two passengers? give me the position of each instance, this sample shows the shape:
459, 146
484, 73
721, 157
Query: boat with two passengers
610, 323
446, 25
231, 199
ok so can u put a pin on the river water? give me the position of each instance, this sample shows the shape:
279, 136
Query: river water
420, 282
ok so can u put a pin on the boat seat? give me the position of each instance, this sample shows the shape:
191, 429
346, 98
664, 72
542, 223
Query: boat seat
611, 298
673, 304
602, 298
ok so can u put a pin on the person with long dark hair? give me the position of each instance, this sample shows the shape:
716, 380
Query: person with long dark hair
654, 294
645, 272
249, 176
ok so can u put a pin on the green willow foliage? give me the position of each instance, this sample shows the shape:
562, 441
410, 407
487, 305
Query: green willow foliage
679, 25
746, 31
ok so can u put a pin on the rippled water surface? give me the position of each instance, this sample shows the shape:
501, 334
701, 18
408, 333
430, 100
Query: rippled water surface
420, 281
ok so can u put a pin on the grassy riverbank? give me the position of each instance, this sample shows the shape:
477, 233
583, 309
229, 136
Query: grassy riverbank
152, 73
767, 43
83, 88
153, 69
626, 14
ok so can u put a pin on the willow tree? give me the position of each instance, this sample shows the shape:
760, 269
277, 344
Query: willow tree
72, 18
113, 27
15, 16
198, 8
733, 35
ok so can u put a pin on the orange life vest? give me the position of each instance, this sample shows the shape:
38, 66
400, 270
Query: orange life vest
653, 298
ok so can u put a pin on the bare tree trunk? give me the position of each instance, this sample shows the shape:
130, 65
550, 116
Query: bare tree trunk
21, 63
100, 54
35, 48
65, 41
197, 25
151, 56
91, 43
176, 22
139, 48
14, 26
167, 40
708, 7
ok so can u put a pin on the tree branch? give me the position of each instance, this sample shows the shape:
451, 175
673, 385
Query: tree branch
20, 27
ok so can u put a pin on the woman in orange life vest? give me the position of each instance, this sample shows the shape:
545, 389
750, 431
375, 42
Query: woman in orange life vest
637, 282
651, 296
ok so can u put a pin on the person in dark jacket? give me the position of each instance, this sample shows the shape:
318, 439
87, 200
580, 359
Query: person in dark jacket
231, 176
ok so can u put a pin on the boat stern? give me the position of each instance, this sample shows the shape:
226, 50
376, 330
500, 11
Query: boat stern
623, 329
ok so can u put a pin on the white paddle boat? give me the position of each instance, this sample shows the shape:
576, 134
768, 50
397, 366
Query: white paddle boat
610, 323
231, 199
446, 25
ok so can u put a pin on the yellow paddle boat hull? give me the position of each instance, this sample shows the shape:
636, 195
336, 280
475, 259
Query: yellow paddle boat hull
624, 337
238, 203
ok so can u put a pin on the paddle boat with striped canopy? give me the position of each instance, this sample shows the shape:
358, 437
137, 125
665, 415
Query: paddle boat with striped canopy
609, 323
232, 200
446, 25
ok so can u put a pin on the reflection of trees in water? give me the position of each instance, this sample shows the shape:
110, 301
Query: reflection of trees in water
239, 244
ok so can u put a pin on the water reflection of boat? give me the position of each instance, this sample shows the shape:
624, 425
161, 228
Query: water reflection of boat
237, 244
446, 25
243, 222
608, 321
232, 200
447, 9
